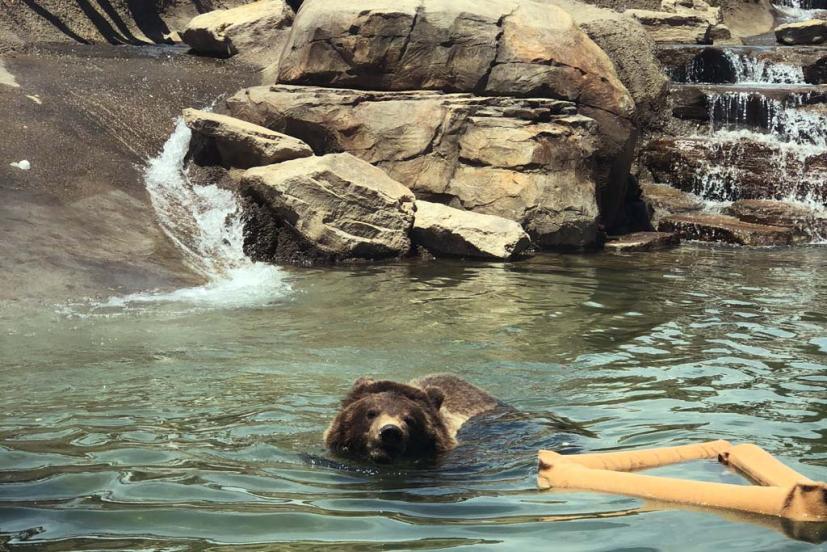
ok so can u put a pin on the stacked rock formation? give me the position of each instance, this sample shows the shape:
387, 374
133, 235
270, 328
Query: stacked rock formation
503, 108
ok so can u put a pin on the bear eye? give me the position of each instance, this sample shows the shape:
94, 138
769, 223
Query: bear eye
409, 420
372, 413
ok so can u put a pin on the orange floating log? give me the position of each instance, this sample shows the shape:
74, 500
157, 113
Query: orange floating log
633, 460
761, 466
787, 494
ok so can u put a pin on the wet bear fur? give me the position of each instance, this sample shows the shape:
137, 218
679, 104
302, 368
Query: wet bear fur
386, 421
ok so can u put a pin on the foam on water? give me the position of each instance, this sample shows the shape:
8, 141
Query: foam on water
205, 222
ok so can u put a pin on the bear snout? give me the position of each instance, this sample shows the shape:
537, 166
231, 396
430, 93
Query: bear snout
391, 434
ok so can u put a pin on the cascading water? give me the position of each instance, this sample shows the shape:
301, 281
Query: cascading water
753, 70
741, 66
205, 222
800, 10
748, 128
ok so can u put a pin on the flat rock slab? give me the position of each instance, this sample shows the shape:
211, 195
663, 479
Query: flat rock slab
667, 27
804, 220
723, 228
443, 230
642, 241
241, 144
813, 31
345, 207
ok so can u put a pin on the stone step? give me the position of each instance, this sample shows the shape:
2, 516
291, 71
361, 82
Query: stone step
720, 64
642, 241
805, 221
723, 228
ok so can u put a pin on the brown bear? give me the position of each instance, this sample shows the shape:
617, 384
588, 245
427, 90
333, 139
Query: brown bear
386, 421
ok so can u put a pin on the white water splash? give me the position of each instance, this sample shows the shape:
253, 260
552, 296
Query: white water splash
205, 223
752, 70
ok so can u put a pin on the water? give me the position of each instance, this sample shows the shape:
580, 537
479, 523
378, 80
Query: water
192, 419
181, 426
767, 122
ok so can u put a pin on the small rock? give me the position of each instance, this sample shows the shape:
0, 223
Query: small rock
812, 31
345, 207
238, 143
23, 165
723, 228
444, 230
642, 241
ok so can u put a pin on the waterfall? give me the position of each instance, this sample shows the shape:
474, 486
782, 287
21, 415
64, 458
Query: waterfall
752, 70
743, 68
789, 120
205, 223
785, 134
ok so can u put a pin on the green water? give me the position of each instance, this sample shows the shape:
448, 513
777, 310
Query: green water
175, 426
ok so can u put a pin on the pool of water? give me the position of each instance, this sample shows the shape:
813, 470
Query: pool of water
174, 422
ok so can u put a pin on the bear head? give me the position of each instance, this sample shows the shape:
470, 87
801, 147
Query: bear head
386, 421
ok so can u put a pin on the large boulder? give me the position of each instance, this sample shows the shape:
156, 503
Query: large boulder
497, 47
257, 31
342, 206
237, 143
443, 230
632, 52
812, 31
528, 160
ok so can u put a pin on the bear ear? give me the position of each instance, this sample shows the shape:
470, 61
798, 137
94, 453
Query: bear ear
435, 396
359, 390
361, 382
